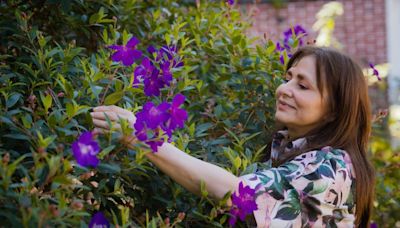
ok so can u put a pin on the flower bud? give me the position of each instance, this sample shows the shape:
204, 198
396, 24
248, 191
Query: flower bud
181, 216
76, 205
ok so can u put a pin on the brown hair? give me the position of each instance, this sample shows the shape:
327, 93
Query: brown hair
348, 122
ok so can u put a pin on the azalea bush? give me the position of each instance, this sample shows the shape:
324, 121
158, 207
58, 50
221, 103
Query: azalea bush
190, 62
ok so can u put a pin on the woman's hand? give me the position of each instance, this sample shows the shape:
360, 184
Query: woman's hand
114, 114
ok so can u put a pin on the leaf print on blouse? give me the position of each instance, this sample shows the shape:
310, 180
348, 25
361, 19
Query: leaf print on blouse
290, 207
274, 186
310, 209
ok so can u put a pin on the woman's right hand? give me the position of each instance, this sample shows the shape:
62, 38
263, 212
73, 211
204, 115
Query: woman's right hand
114, 114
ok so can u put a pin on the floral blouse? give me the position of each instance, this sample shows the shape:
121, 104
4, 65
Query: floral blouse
315, 189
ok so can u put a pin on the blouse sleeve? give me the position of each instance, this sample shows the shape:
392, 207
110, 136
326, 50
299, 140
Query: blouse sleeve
314, 189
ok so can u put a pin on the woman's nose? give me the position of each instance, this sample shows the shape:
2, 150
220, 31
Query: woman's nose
285, 90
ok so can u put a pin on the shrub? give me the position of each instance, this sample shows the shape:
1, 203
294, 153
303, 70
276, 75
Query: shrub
56, 66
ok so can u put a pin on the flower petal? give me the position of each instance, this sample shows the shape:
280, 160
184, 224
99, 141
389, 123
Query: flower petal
132, 42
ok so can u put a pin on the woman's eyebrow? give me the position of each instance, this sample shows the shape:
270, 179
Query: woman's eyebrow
304, 77
300, 76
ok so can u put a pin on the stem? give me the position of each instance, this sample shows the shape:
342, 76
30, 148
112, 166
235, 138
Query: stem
108, 86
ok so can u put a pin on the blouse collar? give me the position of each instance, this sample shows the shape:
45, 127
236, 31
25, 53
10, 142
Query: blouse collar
282, 146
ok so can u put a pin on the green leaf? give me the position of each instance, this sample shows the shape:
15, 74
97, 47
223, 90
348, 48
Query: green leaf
12, 100
236, 39
237, 162
47, 101
71, 109
17, 136
109, 168
105, 151
13, 166
203, 189
270, 49
114, 98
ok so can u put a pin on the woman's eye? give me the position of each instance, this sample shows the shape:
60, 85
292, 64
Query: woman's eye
285, 80
302, 87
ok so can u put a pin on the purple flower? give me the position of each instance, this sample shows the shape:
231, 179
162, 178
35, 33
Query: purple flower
373, 225
243, 203
156, 74
375, 71
169, 54
152, 79
230, 2
150, 76
178, 115
279, 47
126, 53
165, 116
153, 115
99, 221
166, 69
141, 132
299, 32
151, 49
142, 71
140, 129
154, 144
153, 84
85, 150
282, 59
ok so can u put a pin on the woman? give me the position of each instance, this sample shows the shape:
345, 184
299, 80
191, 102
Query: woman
318, 173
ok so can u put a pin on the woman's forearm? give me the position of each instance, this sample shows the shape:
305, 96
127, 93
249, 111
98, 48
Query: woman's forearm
190, 171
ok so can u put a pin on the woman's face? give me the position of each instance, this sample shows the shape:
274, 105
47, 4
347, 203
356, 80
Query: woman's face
299, 104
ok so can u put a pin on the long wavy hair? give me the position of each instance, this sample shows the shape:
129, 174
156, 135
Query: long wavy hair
348, 124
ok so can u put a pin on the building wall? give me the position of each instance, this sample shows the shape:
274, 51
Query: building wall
361, 29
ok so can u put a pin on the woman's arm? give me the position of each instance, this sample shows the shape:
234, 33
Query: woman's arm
189, 171
186, 170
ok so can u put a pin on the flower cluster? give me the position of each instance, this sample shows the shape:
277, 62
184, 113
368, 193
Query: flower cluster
230, 2
297, 32
85, 150
127, 54
157, 74
153, 122
165, 116
243, 203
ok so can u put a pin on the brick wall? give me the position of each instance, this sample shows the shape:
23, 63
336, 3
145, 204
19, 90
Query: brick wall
361, 29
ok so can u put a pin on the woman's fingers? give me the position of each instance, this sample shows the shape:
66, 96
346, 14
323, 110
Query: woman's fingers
97, 131
104, 124
110, 108
113, 112
104, 115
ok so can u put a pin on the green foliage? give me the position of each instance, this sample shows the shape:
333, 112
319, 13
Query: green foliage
55, 67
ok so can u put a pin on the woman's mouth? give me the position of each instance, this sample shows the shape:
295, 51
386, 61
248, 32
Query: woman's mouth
283, 105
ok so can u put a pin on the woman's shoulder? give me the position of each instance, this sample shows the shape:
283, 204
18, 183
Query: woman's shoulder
326, 153
319, 163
